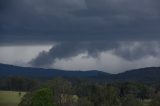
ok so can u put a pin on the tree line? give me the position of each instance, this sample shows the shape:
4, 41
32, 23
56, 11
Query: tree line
64, 92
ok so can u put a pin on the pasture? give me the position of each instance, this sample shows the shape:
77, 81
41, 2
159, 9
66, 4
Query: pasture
10, 98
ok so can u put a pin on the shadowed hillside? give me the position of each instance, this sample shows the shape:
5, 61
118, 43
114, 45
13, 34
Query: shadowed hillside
143, 74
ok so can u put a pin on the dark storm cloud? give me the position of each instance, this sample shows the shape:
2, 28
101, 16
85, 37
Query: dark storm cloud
70, 49
26, 21
127, 50
72, 23
137, 50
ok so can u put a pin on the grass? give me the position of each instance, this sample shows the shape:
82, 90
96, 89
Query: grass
146, 102
10, 98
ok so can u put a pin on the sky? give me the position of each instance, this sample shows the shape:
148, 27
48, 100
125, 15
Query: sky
107, 35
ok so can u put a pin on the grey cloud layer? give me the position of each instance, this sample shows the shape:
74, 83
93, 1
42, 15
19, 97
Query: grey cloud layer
79, 26
27, 21
70, 49
127, 50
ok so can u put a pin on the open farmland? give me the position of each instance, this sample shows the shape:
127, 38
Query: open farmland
10, 98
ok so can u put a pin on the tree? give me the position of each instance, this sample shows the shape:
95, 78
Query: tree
84, 102
63, 91
111, 96
130, 100
41, 97
106, 95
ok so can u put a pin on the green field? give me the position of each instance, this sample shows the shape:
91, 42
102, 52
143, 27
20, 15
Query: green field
10, 98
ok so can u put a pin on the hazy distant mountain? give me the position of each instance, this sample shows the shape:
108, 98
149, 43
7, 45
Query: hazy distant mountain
143, 74
10, 70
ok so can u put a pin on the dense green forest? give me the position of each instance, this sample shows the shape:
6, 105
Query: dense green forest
83, 92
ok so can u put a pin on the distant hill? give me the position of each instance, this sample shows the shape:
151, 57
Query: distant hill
143, 74
10, 70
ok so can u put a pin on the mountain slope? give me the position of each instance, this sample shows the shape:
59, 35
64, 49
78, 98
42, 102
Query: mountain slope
9, 70
143, 74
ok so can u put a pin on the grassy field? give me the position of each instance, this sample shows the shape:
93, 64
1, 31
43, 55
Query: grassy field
146, 102
10, 98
